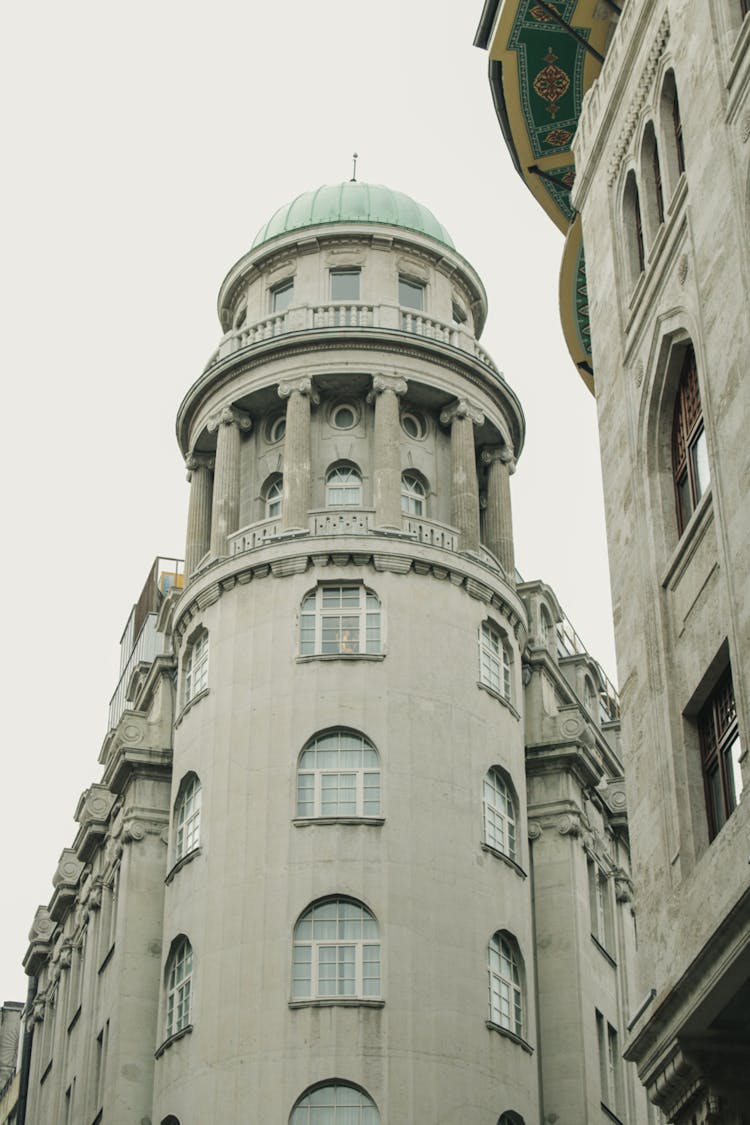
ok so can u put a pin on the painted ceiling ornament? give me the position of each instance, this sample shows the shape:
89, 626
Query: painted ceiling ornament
541, 14
558, 137
551, 83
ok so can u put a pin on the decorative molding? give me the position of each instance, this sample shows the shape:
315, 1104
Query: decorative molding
462, 408
503, 453
535, 830
95, 805
682, 269
644, 87
381, 383
303, 385
229, 416
195, 461
569, 824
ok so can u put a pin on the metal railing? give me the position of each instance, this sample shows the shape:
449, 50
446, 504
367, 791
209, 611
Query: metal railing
570, 644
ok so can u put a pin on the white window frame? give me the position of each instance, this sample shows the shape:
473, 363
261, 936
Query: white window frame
187, 816
346, 271
315, 783
179, 987
273, 498
600, 904
415, 285
334, 1096
499, 813
279, 303
343, 487
494, 660
505, 987
340, 620
413, 495
196, 665
351, 957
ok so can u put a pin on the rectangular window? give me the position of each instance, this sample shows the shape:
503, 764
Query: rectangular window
600, 905
609, 1063
720, 753
345, 285
410, 294
282, 295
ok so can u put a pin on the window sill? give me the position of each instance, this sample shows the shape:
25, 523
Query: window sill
336, 1002
500, 698
612, 1116
689, 540
305, 821
188, 858
172, 1039
106, 959
190, 704
340, 656
507, 1034
74, 1019
505, 858
607, 956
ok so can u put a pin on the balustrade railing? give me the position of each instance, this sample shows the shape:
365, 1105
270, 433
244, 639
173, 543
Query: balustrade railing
343, 316
434, 534
341, 521
257, 535
422, 325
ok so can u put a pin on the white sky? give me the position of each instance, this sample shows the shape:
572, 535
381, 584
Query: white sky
145, 145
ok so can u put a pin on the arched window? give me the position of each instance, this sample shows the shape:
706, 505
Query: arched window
170, 1119
689, 452
336, 952
343, 486
670, 135
338, 775
589, 698
340, 621
187, 816
506, 996
651, 178
633, 227
336, 1103
494, 660
273, 494
413, 494
510, 1119
179, 986
499, 814
196, 665
548, 630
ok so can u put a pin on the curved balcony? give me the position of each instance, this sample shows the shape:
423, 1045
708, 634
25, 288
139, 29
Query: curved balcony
348, 314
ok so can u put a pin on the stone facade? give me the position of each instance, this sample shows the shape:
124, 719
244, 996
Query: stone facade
662, 174
360, 831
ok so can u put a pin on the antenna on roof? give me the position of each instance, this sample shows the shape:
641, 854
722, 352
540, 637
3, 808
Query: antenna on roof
353, 180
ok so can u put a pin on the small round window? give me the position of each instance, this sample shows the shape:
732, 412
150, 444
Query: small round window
277, 429
343, 417
414, 425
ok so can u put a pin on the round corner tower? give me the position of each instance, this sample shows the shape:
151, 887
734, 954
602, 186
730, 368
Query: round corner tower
349, 646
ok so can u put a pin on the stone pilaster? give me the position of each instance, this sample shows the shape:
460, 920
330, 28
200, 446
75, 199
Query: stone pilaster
297, 461
463, 417
225, 504
198, 541
498, 521
387, 453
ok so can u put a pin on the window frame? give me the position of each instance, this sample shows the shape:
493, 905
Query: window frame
315, 807
346, 271
372, 1116
504, 841
495, 663
413, 492
278, 291
688, 439
503, 947
365, 618
179, 993
187, 818
343, 484
273, 497
417, 286
195, 674
317, 978
718, 733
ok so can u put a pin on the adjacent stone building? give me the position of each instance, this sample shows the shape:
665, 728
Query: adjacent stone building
630, 123
358, 851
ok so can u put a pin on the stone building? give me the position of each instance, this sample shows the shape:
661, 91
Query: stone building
358, 852
642, 109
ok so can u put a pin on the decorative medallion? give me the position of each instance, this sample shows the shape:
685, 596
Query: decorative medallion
551, 83
541, 14
558, 137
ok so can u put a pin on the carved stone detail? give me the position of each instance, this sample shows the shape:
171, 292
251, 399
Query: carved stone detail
569, 824
462, 408
229, 416
42, 926
69, 869
381, 383
534, 830
304, 385
644, 87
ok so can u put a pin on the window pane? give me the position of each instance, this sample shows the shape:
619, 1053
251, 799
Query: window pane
410, 293
281, 296
699, 454
734, 774
345, 285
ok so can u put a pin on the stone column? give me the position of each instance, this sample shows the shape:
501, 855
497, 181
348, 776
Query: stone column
198, 541
498, 523
463, 417
297, 460
387, 452
225, 505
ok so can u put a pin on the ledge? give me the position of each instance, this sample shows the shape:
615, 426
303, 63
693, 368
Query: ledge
607, 956
500, 698
190, 704
505, 858
172, 1039
74, 1019
106, 959
306, 821
689, 540
336, 1002
507, 1034
341, 656
187, 858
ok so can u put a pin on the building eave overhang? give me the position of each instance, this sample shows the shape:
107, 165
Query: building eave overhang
539, 71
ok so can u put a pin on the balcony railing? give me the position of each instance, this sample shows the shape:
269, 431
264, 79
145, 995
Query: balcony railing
570, 644
149, 644
348, 314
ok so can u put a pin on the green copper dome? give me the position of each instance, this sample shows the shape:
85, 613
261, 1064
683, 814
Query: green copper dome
353, 203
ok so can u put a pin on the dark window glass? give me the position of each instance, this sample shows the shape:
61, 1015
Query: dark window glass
410, 294
344, 285
720, 753
689, 452
281, 296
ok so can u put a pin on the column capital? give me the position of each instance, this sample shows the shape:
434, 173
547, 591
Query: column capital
303, 384
502, 453
195, 461
382, 383
229, 416
462, 408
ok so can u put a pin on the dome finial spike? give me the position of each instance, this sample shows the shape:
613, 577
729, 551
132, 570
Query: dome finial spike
353, 180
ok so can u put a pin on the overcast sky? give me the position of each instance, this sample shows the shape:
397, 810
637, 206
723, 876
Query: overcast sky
145, 144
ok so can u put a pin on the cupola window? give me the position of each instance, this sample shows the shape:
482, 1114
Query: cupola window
281, 295
345, 285
410, 293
